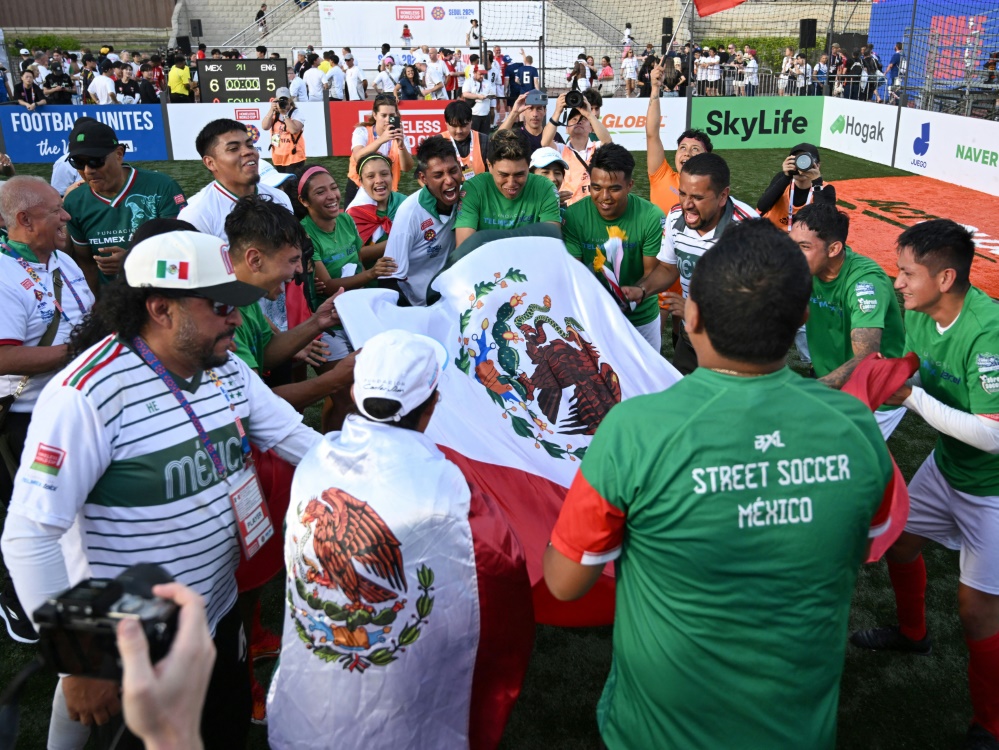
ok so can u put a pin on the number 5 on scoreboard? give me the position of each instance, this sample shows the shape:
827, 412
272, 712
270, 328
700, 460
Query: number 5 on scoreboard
270, 85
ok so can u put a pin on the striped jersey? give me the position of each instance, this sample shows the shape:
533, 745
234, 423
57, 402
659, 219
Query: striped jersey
110, 448
683, 246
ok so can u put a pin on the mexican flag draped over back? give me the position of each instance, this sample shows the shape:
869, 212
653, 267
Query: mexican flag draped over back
539, 352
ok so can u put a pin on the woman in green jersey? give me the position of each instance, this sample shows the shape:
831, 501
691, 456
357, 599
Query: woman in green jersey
373, 208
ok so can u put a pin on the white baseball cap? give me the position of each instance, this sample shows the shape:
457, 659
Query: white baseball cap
545, 157
269, 175
398, 365
189, 262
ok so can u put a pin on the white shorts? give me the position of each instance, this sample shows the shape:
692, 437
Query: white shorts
338, 344
781, 83
957, 520
652, 332
888, 420
500, 93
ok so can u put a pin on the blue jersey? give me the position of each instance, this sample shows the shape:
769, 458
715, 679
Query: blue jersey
527, 78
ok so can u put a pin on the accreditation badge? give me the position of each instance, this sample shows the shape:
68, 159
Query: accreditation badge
253, 519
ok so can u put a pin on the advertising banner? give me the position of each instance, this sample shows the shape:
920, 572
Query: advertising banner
420, 120
365, 26
43, 134
758, 121
862, 129
187, 120
625, 119
960, 150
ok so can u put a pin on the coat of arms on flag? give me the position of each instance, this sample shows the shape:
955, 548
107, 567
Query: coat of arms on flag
341, 532
539, 353
171, 269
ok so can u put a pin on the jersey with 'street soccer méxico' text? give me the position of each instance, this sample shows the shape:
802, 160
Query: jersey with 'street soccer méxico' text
736, 560
100, 222
960, 367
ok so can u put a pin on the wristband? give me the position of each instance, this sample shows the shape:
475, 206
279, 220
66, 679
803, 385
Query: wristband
554, 122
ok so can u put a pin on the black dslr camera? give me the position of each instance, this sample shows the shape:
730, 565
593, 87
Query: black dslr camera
804, 161
574, 99
77, 629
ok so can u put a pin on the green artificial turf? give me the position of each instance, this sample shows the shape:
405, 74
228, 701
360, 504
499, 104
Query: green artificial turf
887, 701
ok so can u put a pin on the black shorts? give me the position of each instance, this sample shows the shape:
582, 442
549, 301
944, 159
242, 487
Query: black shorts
482, 123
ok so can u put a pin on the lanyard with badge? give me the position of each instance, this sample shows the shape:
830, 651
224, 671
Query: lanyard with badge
467, 169
57, 279
253, 519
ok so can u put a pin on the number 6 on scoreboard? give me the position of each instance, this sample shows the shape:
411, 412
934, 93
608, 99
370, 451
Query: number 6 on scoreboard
214, 85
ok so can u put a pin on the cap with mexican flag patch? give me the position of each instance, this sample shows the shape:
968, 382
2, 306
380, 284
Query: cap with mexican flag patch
188, 262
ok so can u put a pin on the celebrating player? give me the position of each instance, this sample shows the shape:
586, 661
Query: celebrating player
954, 497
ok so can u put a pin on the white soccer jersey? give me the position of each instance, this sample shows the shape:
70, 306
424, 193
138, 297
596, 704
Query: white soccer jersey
683, 246
110, 450
210, 206
26, 309
420, 243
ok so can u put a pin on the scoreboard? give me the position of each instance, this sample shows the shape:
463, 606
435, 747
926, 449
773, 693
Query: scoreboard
250, 80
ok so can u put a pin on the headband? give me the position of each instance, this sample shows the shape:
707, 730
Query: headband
307, 174
369, 157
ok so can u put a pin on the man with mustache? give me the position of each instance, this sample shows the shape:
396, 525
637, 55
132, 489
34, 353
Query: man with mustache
142, 443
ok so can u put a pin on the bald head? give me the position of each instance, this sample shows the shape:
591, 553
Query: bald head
20, 194
33, 212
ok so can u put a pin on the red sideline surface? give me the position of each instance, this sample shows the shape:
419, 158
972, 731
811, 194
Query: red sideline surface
881, 208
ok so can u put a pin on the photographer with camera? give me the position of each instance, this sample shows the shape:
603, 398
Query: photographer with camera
287, 125
798, 184
580, 122
527, 115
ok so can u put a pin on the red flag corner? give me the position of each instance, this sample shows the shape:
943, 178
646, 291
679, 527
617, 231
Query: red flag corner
710, 7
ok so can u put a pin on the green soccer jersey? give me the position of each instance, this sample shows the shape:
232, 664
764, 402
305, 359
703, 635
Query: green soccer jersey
960, 367
861, 296
252, 337
637, 234
483, 206
337, 249
100, 222
738, 556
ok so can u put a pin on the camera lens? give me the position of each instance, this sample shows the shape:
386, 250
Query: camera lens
283, 102
573, 99
804, 162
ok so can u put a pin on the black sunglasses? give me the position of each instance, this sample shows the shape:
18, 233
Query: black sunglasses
221, 309
82, 162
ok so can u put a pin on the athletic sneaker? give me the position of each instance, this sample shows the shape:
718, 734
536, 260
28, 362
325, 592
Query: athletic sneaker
891, 639
979, 738
18, 623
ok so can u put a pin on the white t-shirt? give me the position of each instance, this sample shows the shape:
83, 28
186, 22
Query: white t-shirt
436, 73
360, 138
629, 68
421, 57
480, 107
336, 79
385, 82
101, 89
355, 82
805, 76
208, 208
711, 68
24, 317
752, 72
298, 89
63, 175
313, 78
420, 243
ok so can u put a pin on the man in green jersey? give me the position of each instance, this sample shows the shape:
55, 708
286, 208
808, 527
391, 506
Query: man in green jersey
265, 248
954, 329
618, 235
116, 200
507, 196
853, 310
736, 559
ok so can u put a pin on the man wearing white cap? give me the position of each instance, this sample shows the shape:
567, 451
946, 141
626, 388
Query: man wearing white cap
548, 163
141, 446
407, 506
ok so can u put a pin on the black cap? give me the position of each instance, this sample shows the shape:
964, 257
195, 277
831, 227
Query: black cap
91, 138
805, 148
105, 66
89, 58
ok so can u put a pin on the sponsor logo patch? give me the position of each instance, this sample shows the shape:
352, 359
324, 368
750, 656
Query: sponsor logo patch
430, 235
48, 459
427, 223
